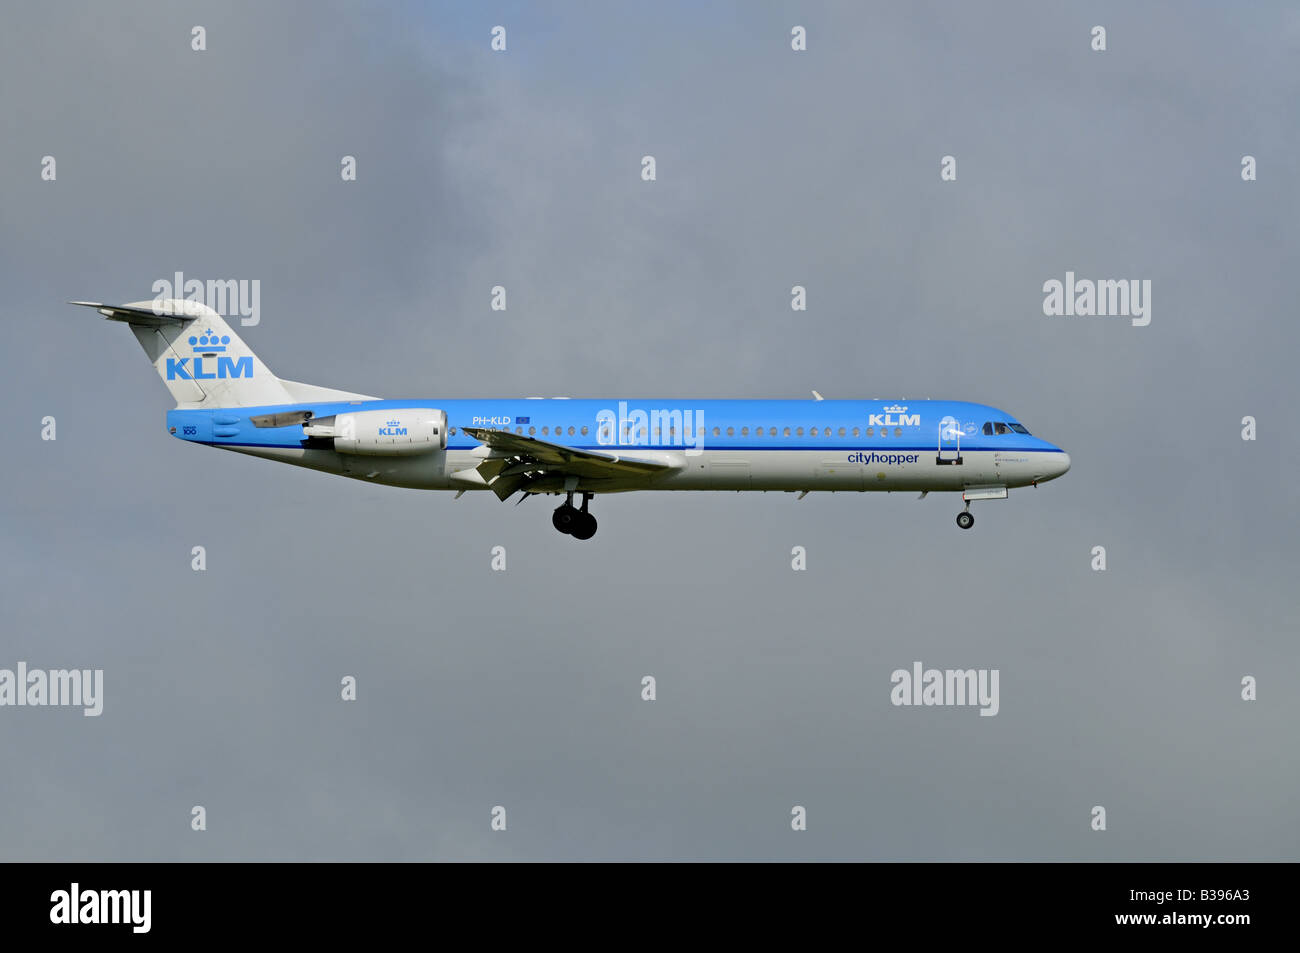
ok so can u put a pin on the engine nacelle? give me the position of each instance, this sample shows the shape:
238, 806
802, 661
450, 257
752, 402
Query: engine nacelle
384, 433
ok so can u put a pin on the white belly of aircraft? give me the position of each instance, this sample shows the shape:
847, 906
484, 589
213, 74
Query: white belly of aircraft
736, 470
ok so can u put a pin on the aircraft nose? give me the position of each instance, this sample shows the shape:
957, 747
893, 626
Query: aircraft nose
1053, 462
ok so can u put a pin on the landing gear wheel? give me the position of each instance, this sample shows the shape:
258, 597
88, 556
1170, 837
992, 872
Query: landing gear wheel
584, 527
565, 519
965, 520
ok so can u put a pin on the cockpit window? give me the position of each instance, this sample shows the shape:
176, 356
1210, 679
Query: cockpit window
999, 427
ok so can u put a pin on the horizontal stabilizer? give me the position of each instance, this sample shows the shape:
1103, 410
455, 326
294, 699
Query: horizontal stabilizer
157, 316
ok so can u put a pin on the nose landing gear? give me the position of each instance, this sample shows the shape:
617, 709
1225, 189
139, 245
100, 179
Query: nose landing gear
964, 519
571, 521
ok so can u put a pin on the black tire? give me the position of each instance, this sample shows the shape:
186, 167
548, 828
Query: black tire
584, 527
965, 520
564, 518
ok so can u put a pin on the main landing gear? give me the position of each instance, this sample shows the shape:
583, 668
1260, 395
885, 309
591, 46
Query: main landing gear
964, 519
571, 521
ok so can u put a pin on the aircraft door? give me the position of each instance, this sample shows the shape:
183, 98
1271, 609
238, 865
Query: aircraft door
949, 443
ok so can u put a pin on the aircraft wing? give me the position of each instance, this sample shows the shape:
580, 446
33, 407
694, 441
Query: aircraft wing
518, 462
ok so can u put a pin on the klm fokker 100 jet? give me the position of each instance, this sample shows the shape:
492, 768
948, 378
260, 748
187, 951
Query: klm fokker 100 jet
226, 397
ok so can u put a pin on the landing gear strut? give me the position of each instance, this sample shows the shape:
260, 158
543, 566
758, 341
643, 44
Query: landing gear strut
570, 520
964, 519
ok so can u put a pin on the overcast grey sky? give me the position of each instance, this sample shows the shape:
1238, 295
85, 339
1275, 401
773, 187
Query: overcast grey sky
775, 168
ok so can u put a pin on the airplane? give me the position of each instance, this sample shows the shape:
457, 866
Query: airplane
226, 397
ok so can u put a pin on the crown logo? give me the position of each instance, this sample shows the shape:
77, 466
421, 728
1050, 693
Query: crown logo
209, 341
895, 409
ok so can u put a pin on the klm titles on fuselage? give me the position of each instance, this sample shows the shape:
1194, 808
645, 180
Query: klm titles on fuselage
895, 416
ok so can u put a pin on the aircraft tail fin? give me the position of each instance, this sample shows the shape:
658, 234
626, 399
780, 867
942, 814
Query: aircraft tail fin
199, 357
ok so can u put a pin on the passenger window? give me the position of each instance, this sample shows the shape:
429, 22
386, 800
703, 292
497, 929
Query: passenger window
716, 432
452, 431
813, 432
799, 431
731, 431
584, 431
545, 431
871, 431
841, 431
744, 431
532, 431
570, 431
855, 432
898, 431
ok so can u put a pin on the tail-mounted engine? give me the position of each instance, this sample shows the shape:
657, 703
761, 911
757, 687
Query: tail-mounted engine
383, 433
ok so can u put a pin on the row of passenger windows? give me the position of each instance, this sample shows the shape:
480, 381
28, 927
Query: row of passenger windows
991, 428
717, 432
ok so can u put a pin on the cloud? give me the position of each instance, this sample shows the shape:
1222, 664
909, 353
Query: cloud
522, 688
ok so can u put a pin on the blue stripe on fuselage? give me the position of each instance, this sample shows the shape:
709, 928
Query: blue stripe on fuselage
920, 433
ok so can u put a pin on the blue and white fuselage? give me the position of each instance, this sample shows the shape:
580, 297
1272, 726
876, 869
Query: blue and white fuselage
745, 444
227, 398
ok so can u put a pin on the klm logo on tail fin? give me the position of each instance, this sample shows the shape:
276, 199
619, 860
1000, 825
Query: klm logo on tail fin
209, 341
209, 345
